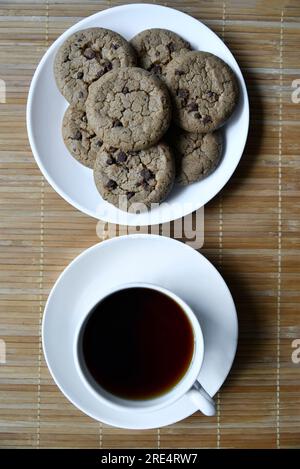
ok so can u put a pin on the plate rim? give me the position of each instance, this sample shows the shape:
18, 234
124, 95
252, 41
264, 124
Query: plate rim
60, 191
77, 259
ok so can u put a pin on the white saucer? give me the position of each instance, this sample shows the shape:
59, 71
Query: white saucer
73, 181
139, 258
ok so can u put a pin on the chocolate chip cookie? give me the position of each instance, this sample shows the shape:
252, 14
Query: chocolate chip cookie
87, 55
204, 91
196, 155
157, 47
129, 108
79, 138
144, 176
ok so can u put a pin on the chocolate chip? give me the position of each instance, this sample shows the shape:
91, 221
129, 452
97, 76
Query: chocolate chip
89, 53
181, 93
125, 90
146, 174
122, 157
179, 72
171, 46
80, 75
130, 195
155, 69
115, 46
192, 106
84, 118
197, 115
100, 73
207, 119
117, 123
108, 66
98, 143
111, 184
211, 94
78, 135
110, 161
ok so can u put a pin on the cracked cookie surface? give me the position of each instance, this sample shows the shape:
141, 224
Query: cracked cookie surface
87, 55
196, 155
129, 108
79, 138
204, 91
144, 176
156, 48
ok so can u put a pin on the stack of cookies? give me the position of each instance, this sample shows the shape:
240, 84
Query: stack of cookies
120, 112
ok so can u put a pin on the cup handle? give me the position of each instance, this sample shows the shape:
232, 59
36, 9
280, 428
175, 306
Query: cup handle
202, 399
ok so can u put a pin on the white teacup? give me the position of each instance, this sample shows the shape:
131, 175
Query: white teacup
188, 385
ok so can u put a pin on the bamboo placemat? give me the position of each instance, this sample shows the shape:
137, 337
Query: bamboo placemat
251, 234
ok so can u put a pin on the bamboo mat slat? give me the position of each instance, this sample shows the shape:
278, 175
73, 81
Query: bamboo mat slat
251, 234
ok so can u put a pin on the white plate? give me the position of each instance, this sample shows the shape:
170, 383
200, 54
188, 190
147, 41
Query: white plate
139, 258
73, 181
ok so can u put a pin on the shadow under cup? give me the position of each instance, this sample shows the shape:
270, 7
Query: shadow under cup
140, 346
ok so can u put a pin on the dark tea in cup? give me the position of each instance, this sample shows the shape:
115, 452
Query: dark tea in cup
137, 343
